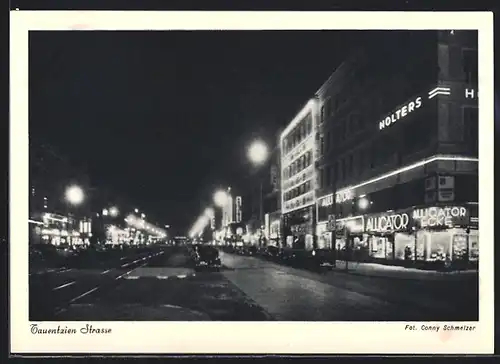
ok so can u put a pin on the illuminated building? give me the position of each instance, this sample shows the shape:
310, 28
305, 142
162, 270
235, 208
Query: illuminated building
397, 145
298, 177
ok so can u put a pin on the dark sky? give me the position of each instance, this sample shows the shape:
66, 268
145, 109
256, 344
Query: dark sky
163, 118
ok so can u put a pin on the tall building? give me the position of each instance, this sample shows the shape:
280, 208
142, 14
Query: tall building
298, 177
396, 150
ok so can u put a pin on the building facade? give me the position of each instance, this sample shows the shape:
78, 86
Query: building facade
52, 219
396, 152
298, 178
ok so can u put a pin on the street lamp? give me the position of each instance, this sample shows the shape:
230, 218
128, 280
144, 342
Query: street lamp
113, 211
74, 195
258, 153
136, 211
363, 203
220, 198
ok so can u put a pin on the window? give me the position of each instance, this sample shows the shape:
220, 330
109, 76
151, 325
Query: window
471, 128
321, 176
321, 145
328, 176
309, 125
470, 65
322, 116
308, 158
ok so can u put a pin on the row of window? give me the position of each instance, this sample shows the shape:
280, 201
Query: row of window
298, 134
298, 191
298, 165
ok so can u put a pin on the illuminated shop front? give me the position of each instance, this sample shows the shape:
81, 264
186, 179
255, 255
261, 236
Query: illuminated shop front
273, 228
349, 233
58, 230
425, 234
299, 228
325, 222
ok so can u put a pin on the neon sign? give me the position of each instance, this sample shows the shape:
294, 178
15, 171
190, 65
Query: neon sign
326, 201
400, 113
388, 222
440, 216
470, 93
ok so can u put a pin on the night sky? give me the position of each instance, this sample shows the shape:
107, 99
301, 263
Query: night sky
163, 118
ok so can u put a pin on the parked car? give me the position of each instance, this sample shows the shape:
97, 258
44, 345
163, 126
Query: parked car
207, 257
249, 250
322, 258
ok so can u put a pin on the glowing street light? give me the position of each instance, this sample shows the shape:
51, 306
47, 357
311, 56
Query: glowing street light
363, 203
220, 198
257, 152
74, 195
113, 211
209, 212
105, 212
143, 216
136, 211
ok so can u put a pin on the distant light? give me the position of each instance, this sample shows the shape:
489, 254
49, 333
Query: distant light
105, 212
220, 198
209, 212
143, 216
74, 195
136, 211
257, 153
113, 211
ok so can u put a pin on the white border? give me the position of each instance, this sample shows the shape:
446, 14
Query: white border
279, 337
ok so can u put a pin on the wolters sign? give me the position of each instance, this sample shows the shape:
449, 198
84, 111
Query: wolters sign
400, 113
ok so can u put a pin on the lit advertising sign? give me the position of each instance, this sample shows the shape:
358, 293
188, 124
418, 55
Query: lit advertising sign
387, 222
400, 113
344, 195
448, 216
471, 93
238, 204
354, 224
324, 208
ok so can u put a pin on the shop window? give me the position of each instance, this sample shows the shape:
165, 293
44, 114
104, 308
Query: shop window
404, 246
474, 245
440, 245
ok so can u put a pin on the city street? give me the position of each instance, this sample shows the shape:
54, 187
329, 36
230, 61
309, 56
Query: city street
160, 284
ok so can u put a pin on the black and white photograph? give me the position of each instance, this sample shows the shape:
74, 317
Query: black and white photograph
247, 175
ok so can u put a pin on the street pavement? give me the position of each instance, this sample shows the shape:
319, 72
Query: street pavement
160, 284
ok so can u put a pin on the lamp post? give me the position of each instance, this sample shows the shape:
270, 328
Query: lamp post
258, 154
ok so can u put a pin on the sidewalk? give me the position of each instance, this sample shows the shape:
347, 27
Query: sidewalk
390, 271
